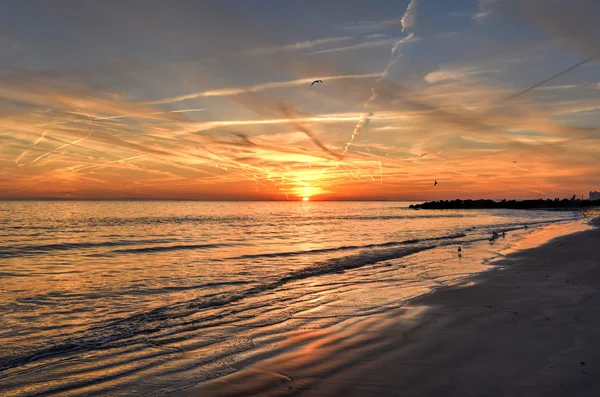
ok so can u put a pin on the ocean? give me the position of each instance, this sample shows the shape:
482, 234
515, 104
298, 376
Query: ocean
152, 297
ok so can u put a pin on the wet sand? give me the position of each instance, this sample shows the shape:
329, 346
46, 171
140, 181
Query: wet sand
531, 328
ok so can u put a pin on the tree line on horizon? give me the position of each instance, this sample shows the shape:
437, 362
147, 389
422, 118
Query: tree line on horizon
505, 204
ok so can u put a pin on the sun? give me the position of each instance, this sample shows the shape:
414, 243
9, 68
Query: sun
305, 199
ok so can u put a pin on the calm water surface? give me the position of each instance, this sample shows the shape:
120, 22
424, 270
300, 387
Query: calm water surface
142, 297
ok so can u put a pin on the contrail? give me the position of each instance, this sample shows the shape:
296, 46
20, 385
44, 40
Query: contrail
567, 70
60, 147
301, 45
65, 145
407, 21
375, 90
255, 88
290, 112
355, 46
134, 115
108, 163
33, 143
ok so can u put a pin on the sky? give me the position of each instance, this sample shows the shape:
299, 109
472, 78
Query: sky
213, 100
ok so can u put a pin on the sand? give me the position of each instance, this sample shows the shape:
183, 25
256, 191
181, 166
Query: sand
531, 328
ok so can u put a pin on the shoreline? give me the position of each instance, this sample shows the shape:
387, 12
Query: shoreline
538, 204
477, 330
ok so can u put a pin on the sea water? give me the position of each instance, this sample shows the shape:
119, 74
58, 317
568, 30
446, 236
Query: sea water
150, 297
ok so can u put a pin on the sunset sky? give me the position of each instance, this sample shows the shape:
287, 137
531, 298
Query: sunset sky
213, 99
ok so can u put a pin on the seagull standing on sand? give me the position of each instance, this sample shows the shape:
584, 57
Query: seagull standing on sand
459, 249
316, 81
435, 183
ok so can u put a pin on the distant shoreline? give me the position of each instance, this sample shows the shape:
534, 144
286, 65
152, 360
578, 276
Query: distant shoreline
556, 204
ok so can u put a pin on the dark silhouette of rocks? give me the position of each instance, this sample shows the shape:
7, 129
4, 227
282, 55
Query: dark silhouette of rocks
510, 204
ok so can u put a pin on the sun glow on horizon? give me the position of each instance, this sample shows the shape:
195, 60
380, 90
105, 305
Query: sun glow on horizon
305, 199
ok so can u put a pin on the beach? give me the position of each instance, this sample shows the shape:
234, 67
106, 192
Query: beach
529, 328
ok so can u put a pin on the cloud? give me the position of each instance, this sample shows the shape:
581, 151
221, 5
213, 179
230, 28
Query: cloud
460, 73
485, 9
408, 19
558, 87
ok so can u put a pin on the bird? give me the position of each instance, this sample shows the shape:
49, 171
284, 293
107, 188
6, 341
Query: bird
494, 236
316, 81
435, 183
459, 249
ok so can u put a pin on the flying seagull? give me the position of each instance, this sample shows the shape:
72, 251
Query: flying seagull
435, 183
316, 81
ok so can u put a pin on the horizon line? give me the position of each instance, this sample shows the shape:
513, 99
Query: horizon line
257, 200
185, 199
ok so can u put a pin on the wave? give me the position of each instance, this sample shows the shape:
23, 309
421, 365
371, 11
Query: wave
56, 298
388, 217
161, 290
123, 332
11, 252
31, 250
510, 226
167, 248
341, 248
86, 223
